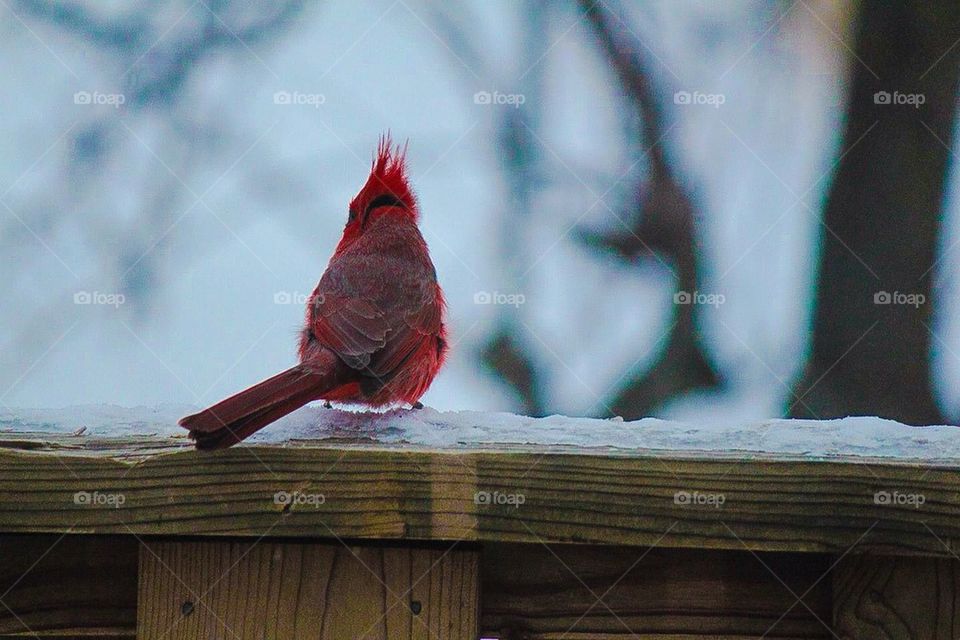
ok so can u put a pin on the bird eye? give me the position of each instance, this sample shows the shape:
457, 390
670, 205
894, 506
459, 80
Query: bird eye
353, 215
385, 200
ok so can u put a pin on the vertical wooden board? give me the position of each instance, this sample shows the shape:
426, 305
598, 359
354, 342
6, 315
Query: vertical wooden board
398, 574
907, 598
250, 590
356, 598
55, 585
421, 591
314, 593
451, 578
466, 591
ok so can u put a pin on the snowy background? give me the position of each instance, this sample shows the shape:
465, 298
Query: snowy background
197, 215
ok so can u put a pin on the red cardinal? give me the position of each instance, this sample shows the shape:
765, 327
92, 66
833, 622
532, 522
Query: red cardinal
374, 333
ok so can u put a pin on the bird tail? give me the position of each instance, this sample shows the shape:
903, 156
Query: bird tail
240, 416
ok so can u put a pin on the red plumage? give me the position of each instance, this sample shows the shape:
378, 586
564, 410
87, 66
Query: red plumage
374, 331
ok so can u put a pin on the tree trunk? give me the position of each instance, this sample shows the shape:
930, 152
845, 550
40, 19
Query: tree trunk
872, 321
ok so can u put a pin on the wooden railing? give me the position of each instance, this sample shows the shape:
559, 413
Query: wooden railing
387, 537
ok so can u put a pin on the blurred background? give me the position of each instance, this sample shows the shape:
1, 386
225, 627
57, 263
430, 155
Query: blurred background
697, 210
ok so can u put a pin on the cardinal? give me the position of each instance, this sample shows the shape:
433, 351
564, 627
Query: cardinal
374, 333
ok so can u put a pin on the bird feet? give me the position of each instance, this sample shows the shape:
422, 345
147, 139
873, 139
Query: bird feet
417, 405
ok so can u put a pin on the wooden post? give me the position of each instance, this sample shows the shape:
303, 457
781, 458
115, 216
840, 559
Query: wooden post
907, 598
251, 590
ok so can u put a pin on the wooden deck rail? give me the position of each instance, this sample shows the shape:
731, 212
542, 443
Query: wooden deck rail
465, 526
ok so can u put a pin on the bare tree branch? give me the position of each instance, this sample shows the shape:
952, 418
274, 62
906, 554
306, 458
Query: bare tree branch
662, 216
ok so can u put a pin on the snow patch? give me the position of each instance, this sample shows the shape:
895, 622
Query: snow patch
863, 437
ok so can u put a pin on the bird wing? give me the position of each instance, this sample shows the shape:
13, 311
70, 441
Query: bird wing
375, 310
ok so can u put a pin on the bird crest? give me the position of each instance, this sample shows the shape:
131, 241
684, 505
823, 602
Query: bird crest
388, 184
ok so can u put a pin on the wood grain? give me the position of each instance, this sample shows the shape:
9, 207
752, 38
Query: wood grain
576, 591
60, 586
251, 590
897, 598
420, 495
